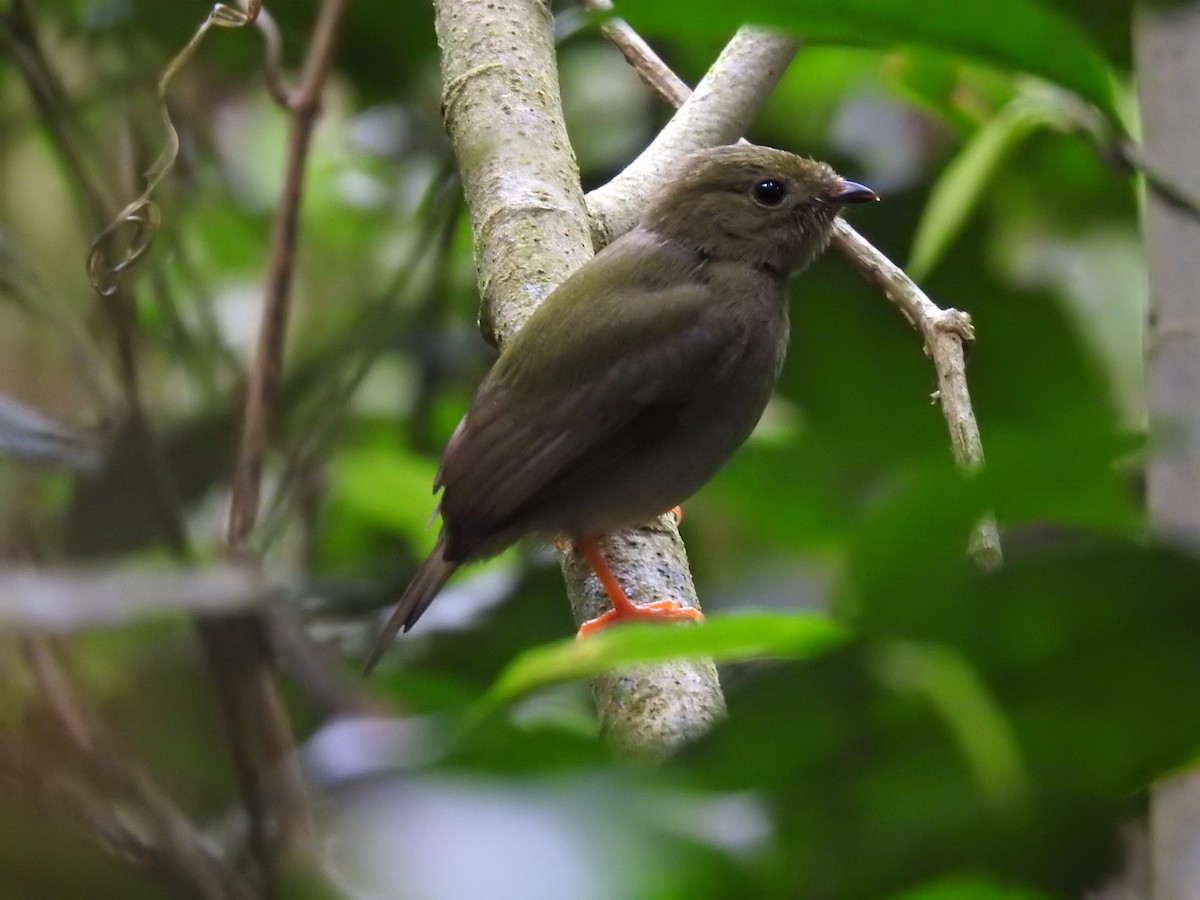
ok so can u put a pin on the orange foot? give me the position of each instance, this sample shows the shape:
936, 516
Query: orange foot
657, 611
624, 609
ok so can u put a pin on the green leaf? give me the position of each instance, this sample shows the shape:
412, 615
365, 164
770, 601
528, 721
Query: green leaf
982, 738
947, 681
388, 487
957, 191
724, 638
1022, 35
962, 93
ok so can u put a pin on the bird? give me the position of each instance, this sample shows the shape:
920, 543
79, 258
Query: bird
638, 377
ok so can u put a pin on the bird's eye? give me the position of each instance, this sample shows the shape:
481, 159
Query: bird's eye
768, 192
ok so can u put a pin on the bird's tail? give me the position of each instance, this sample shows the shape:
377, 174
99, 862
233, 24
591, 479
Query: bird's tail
431, 575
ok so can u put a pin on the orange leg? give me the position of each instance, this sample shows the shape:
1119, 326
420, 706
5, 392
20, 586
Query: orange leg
677, 513
624, 609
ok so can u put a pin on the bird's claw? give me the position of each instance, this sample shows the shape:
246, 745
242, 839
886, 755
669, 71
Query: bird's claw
656, 611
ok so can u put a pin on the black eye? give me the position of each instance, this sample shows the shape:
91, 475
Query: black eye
768, 192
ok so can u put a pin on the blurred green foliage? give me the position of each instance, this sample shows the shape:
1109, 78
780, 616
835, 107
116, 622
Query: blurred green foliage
928, 732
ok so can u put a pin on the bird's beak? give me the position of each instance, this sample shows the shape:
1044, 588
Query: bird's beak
852, 192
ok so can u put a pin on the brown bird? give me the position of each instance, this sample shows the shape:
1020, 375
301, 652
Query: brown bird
639, 376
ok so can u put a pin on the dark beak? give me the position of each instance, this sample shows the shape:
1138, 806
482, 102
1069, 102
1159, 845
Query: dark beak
852, 192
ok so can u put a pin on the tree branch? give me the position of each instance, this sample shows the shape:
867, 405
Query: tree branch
105, 791
234, 646
304, 103
256, 708
719, 111
531, 230
501, 105
946, 332
66, 600
655, 73
1167, 64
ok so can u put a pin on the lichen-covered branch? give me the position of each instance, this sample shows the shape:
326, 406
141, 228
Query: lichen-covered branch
719, 111
501, 105
531, 230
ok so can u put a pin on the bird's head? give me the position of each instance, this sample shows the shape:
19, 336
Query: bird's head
767, 207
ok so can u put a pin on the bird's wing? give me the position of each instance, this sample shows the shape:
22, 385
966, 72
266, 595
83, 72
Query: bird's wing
589, 397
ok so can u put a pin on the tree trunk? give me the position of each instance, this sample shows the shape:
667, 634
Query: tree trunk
1167, 50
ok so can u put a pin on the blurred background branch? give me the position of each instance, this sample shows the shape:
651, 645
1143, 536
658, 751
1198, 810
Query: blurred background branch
1168, 63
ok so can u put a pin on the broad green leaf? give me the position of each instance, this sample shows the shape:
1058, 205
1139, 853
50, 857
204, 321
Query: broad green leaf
389, 487
724, 638
960, 93
1022, 35
957, 191
948, 682
1064, 681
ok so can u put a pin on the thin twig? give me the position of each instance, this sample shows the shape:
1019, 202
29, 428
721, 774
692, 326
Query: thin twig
68, 600
719, 111
340, 378
268, 720
113, 797
273, 56
19, 37
655, 73
945, 331
235, 647
50, 100
127, 238
117, 827
304, 103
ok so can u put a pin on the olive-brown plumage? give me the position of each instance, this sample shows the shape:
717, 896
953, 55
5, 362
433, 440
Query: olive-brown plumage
641, 374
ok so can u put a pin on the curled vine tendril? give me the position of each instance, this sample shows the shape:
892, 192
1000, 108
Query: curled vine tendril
127, 238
